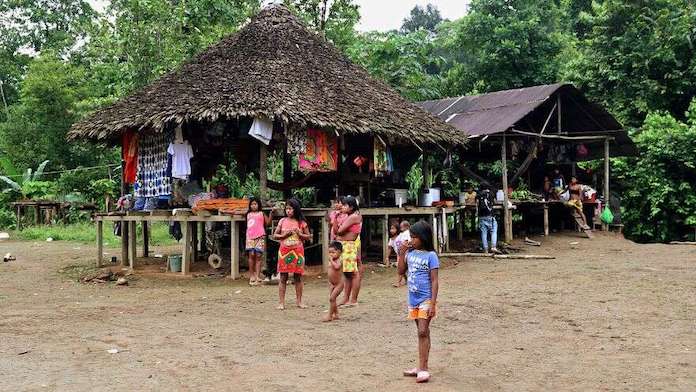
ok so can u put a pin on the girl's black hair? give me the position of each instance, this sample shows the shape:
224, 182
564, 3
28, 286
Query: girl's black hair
396, 226
351, 202
251, 200
424, 232
296, 209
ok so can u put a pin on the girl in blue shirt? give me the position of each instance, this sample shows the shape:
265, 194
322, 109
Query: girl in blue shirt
421, 263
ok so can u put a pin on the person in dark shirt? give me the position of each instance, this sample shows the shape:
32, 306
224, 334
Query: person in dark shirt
487, 221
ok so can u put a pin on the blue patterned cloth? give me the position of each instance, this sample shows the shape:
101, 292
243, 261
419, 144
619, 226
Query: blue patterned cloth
152, 179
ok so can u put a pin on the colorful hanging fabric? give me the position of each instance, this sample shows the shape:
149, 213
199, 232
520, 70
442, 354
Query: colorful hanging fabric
130, 156
380, 159
152, 179
321, 153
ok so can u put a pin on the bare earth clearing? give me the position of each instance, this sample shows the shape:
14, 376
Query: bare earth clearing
609, 315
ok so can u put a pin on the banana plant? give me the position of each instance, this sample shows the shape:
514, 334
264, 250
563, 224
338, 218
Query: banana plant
21, 184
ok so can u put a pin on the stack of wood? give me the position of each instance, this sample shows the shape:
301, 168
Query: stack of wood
222, 206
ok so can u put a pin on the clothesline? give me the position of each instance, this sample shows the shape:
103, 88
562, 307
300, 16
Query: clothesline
70, 170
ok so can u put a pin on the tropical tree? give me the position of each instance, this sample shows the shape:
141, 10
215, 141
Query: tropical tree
426, 18
336, 19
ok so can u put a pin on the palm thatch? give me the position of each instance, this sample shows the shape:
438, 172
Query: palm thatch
274, 67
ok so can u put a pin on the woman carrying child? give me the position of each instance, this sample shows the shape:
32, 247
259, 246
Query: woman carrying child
292, 231
255, 247
421, 263
348, 233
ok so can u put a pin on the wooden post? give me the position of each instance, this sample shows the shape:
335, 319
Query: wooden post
36, 214
186, 247
124, 242
100, 242
19, 217
194, 241
325, 238
287, 170
146, 239
132, 244
558, 106
263, 172
234, 250
546, 220
506, 209
385, 238
445, 230
459, 218
605, 227
433, 220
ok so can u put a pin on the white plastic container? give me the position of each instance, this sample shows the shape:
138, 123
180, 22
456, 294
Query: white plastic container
462, 198
400, 197
428, 198
500, 196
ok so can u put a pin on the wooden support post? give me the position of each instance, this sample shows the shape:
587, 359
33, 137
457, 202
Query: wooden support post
124, 243
546, 220
445, 231
459, 218
194, 241
186, 247
558, 105
146, 239
263, 172
36, 215
605, 227
433, 220
100, 242
234, 250
132, 244
19, 217
325, 238
506, 208
385, 239
287, 172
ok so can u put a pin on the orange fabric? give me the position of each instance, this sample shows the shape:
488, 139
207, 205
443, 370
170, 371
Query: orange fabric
420, 312
130, 156
225, 206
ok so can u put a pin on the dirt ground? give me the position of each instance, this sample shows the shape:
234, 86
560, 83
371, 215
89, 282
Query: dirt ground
606, 315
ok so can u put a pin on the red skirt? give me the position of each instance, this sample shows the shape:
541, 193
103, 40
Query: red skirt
291, 260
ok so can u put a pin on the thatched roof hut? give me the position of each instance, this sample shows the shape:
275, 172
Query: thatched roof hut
274, 67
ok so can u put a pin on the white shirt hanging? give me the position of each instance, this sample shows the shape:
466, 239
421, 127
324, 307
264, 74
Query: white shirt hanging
181, 159
262, 130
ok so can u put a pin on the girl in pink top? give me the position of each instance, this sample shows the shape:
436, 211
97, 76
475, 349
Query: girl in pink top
255, 239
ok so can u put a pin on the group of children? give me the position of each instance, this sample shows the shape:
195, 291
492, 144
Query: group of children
417, 263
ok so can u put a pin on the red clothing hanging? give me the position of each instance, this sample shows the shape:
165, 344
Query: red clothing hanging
130, 156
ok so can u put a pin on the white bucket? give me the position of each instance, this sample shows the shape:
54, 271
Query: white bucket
400, 197
462, 198
428, 198
500, 196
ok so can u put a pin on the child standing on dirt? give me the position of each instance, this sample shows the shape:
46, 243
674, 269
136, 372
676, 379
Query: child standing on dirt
393, 233
255, 240
422, 264
335, 279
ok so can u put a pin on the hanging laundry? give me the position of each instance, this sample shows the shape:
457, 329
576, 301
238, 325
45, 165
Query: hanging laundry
181, 154
130, 156
380, 160
297, 140
262, 130
321, 152
152, 179
390, 160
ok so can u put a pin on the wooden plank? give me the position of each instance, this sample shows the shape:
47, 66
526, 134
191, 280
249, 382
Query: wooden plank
146, 239
100, 243
494, 256
546, 220
445, 231
19, 217
433, 223
234, 251
132, 244
185, 248
682, 243
325, 238
385, 238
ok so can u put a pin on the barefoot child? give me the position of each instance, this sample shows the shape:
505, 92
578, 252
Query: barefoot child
292, 231
255, 240
422, 264
335, 279
403, 237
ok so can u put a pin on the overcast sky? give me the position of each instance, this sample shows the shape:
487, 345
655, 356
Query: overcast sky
381, 15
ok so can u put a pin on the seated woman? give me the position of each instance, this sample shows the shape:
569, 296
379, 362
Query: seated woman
575, 202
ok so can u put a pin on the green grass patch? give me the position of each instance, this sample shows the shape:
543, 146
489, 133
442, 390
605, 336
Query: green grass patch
86, 232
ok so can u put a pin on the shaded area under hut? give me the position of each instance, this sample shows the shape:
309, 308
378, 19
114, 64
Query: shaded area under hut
283, 105
521, 136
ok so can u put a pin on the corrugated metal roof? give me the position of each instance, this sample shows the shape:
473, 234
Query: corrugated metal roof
496, 112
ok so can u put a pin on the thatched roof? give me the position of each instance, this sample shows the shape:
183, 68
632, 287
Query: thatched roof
275, 67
